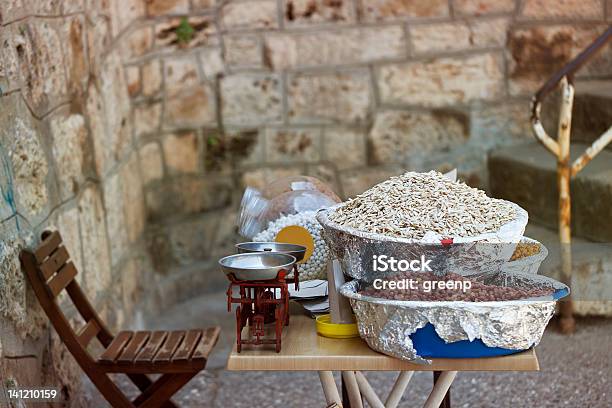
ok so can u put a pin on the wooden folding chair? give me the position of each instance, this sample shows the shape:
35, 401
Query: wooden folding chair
177, 355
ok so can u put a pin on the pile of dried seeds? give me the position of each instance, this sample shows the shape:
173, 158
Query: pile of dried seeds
410, 205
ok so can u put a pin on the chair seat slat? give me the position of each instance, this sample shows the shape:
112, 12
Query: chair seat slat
47, 247
209, 339
116, 347
189, 344
137, 342
54, 262
155, 342
62, 279
167, 351
88, 332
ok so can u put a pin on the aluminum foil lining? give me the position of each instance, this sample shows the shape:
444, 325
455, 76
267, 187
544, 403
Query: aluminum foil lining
386, 325
481, 254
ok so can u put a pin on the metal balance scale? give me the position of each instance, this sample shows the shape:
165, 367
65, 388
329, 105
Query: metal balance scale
260, 273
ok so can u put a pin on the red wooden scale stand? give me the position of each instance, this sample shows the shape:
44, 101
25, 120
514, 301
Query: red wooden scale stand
260, 303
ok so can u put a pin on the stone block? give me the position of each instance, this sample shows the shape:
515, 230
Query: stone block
77, 64
136, 43
167, 7
536, 53
398, 135
151, 164
482, 7
395, 10
12, 281
526, 175
133, 197
114, 205
98, 36
132, 75
147, 119
193, 107
96, 258
122, 13
250, 14
151, 78
458, 36
251, 99
344, 147
343, 97
575, 9
357, 181
188, 195
236, 148
507, 123
182, 153
41, 66
203, 4
114, 104
442, 81
258, 178
68, 226
288, 145
10, 78
304, 12
243, 51
27, 182
211, 62
191, 240
180, 73
69, 144
337, 47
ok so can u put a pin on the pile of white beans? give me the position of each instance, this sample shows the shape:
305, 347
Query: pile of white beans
316, 266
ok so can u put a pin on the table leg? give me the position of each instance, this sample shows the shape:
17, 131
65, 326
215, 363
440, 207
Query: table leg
395, 396
367, 391
446, 402
440, 389
329, 388
351, 397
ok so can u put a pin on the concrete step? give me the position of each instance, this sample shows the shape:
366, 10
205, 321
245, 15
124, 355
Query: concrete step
526, 175
591, 282
592, 113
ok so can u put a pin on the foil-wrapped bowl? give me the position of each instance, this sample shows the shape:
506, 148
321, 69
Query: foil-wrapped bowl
457, 329
481, 254
527, 264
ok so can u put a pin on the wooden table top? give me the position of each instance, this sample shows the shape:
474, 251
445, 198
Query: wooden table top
304, 350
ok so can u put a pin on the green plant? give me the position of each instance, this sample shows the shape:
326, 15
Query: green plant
184, 31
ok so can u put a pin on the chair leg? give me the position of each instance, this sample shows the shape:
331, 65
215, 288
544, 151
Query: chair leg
160, 392
143, 382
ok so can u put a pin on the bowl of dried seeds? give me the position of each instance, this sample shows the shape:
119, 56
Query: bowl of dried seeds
458, 227
527, 257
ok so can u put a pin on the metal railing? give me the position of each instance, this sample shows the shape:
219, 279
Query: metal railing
561, 149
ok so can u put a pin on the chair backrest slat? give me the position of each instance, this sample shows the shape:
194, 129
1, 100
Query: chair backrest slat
54, 262
88, 332
49, 244
62, 279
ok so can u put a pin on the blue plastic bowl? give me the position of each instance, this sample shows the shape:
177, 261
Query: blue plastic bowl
428, 344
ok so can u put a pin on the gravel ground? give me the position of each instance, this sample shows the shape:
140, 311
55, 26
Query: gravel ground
575, 371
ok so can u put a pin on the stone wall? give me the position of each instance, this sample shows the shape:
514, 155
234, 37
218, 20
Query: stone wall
134, 125
68, 160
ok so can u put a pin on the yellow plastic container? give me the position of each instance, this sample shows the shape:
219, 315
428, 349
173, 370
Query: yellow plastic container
336, 331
